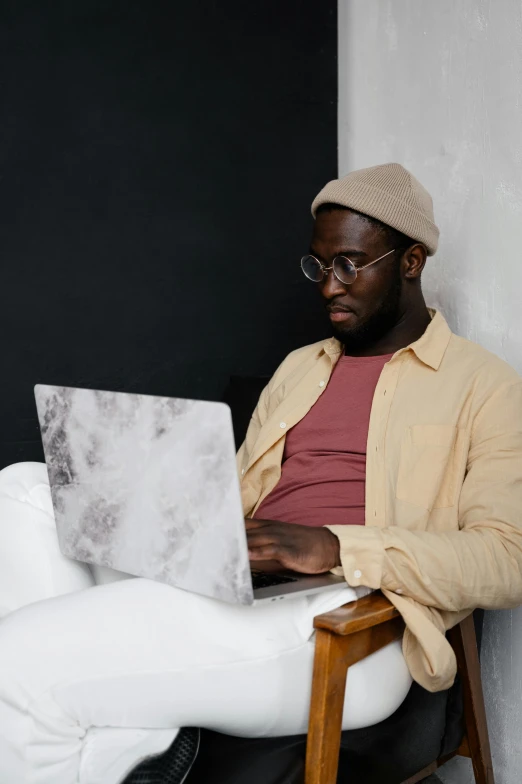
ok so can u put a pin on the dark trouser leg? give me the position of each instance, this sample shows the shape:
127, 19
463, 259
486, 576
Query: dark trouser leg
386, 753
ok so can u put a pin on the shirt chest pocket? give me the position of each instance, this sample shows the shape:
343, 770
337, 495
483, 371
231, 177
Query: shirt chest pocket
431, 465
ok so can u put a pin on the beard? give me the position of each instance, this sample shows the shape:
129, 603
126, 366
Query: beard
378, 324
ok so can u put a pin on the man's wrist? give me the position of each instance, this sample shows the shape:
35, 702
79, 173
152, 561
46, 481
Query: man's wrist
336, 547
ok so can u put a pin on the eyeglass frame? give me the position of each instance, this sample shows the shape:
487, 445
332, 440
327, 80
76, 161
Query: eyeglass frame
327, 269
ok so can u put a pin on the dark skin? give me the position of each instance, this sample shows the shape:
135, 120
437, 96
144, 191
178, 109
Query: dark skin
339, 232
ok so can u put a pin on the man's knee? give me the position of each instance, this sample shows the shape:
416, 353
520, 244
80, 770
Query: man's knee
31, 565
22, 481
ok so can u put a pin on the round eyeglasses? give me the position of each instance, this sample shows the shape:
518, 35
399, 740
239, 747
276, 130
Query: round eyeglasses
344, 270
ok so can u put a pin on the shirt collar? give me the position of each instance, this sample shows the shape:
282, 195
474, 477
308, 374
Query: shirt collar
429, 348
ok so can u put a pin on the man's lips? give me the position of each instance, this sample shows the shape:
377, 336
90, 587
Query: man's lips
339, 314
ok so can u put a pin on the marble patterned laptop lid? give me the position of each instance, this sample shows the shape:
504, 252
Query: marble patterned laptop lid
147, 485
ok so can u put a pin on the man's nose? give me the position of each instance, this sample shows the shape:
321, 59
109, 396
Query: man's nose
331, 286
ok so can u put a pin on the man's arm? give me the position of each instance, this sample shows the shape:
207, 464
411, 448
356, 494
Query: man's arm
479, 565
257, 420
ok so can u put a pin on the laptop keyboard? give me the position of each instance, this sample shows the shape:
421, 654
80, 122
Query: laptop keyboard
266, 580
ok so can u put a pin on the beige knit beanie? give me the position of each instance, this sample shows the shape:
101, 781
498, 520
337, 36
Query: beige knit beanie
389, 193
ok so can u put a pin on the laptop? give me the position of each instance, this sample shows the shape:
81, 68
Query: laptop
149, 486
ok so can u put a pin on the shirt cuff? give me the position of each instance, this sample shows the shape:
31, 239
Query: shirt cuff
362, 554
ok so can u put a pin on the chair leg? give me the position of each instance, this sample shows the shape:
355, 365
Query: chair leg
476, 743
326, 708
334, 654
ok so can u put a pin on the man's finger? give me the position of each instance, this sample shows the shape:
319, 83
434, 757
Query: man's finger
250, 523
267, 552
256, 538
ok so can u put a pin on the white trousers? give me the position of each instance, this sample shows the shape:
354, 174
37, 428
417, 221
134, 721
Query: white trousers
94, 678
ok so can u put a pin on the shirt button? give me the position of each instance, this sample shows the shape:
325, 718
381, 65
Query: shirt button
282, 424
242, 471
321, 383
399, 590
357, 574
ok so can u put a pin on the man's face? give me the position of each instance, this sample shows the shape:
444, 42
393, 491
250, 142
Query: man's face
372, 304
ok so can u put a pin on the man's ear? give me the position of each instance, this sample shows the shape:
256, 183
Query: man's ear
414, 260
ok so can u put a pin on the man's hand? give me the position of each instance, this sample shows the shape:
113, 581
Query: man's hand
297, 547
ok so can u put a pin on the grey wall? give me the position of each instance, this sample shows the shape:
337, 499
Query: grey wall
437, 86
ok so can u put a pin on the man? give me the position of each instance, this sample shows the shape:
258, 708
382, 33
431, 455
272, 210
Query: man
390, 453
438, 525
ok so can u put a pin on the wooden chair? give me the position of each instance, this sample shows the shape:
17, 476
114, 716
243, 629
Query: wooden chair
349, 634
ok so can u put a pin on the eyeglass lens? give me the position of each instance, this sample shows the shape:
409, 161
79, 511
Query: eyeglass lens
343, 269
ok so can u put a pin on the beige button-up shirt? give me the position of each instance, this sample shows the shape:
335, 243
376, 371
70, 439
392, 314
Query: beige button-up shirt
443, 531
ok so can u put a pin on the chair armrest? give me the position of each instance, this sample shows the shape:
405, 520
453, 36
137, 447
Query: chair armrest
372, 610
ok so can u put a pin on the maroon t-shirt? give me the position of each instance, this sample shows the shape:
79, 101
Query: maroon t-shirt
323, 473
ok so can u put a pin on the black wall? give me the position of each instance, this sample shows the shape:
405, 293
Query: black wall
157, 164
